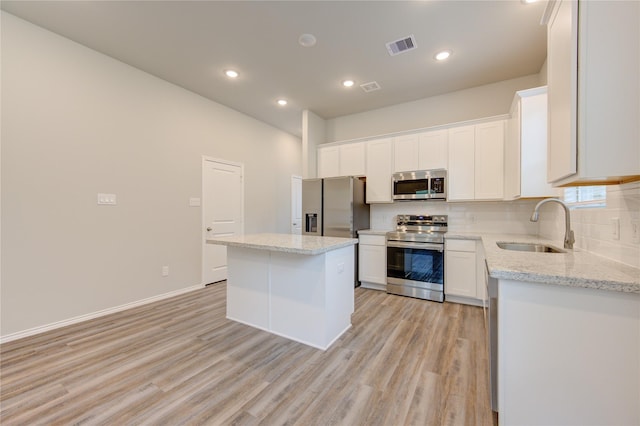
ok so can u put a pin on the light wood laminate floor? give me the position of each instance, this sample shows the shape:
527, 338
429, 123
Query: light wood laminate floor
180, 361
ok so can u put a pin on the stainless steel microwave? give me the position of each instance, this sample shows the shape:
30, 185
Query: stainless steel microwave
420, 185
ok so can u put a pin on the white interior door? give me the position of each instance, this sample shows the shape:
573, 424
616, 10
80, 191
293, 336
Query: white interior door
222, 212
296, 205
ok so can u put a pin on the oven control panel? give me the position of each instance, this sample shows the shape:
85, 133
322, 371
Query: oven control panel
422, 220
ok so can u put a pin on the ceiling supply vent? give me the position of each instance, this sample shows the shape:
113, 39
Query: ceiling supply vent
370, 86
402, 45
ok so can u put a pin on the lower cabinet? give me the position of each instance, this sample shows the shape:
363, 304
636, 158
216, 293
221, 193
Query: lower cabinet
463, 282
372, 261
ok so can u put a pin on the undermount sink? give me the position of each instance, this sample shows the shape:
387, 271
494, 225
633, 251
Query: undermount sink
539, 248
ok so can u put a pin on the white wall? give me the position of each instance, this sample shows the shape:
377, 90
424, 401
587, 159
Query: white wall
313, 134
478, 102
76, 123
593, 227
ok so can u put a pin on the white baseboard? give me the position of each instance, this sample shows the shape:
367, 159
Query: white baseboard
463, 300
48, 327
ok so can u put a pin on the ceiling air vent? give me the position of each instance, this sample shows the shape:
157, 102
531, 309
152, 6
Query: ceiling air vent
402, 45
370, 87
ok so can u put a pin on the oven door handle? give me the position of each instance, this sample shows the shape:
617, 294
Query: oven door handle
423, 246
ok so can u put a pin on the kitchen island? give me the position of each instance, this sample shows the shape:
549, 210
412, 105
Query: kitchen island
296, 286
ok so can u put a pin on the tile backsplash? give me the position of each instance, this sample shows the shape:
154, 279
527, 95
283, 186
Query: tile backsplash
510, 217
594, 227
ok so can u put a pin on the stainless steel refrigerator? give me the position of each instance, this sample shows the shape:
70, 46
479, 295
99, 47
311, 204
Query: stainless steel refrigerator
335, 207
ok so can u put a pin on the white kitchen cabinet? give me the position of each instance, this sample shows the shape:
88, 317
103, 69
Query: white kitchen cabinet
406, 150
476, 162
525, 150
461, 168
489, 161
372, 261
343, 160
328, 162
593, 89
421, 151
379, 170
353, 159
433, 149
460, 268
567, 355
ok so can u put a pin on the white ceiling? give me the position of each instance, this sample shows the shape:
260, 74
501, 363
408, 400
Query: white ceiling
190, 43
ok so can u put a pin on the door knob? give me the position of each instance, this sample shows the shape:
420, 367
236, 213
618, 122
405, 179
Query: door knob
208, 229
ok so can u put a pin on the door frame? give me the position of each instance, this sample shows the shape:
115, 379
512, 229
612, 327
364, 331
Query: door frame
205, 159
291, 207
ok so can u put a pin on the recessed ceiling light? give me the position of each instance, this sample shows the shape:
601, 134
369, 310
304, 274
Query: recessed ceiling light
282, 102
441, 56
529, 1
231, 73
307, 40
348, 83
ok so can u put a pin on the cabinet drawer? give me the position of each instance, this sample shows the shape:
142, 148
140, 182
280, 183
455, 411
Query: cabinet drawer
461, 245
372, 240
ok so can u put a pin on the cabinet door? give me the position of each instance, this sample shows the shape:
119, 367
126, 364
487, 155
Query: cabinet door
460, 273
432, 152
328, 162
562, 62
379, 170
405, 149
489, 161
352, 159
533, 148
461, 163
372, 264
512, 142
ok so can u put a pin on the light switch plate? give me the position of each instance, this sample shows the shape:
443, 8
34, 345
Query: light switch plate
107, 199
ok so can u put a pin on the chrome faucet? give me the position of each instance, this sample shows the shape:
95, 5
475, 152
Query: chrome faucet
568, 233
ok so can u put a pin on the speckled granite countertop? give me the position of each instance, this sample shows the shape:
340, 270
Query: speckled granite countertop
575, 268
290, 243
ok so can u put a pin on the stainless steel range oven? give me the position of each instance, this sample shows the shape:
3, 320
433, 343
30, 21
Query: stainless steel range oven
415, 257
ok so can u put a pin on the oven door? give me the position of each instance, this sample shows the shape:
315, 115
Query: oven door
415, 269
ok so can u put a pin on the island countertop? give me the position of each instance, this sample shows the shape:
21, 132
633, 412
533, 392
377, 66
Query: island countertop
290, 243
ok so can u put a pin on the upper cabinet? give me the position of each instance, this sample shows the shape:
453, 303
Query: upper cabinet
433, 152
379, 170
593, 60
476, 162
329, 162
489, 161
460, 175
420, 151
525, 147
343, 160
406, 149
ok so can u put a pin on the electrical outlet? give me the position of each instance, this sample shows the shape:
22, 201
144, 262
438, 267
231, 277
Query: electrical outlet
635, 232
615, 228
165, 271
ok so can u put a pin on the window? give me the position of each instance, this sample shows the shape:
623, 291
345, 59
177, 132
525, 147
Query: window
578, 197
